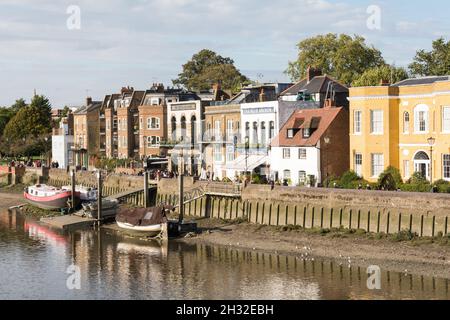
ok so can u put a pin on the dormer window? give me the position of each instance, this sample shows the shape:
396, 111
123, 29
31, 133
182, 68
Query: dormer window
290, 133
306, 133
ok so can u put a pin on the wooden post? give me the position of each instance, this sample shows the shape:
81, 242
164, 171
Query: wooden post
146, 195
410, 223
378, 222
295, 215
359, 219
446, 227
257, 212
350, 219
181, 198
287, 214
321, 217
331, 218
388, 222
421, 225
304, 217
433, 227
312, 218
341, 216
368, 222
100, 196
399, 222
278, 215
72, 183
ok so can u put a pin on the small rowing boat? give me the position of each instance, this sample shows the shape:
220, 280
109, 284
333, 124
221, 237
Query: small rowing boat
48, 197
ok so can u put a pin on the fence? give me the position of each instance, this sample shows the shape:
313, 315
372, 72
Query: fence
313, 217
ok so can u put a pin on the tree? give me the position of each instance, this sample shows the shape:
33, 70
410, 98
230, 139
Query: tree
206, 68
18, 105
374, 76
432, 63
341, 56
33, 120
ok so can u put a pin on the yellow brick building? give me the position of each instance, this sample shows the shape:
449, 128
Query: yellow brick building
392, 126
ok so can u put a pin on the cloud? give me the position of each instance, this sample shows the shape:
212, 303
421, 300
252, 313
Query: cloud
136, 41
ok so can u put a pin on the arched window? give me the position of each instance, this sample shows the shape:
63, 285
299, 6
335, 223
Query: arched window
421, 156
174, 128
263, 133
421, 119
272, 130
406, 121
255, 132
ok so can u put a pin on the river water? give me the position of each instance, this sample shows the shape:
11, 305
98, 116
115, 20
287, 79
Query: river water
35, 261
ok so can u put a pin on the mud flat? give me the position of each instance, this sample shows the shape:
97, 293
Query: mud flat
428, 257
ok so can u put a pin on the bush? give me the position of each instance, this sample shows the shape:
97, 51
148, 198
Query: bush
350, 180
390, 179
442, 186
417, 183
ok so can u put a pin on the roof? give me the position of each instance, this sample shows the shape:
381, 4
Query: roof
86, 109
319, 119
421, 81
317, 84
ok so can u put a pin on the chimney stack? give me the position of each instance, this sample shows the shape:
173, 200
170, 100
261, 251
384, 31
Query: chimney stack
329, 103
384, 83
88, 101
311, 73
262, 95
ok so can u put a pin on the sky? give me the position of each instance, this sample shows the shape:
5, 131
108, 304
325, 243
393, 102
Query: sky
140, 42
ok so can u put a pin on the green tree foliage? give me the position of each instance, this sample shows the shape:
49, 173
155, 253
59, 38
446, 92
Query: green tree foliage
33, 120
432, 63
206, 68
374, 76
341, 56
390, 179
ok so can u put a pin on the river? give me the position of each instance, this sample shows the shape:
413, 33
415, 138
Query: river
36, 263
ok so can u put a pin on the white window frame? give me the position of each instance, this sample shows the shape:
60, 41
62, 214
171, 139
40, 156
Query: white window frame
150, 123
357, 124
418, 111
406, 124
406, 169
377, 124
446, 119
218, 156
302, 154
358, 164
377, 164
286, 153
153, 141
446, 165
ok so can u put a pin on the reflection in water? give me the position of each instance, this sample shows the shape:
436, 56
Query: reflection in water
34, 260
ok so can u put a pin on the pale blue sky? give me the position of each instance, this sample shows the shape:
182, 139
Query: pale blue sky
138, 42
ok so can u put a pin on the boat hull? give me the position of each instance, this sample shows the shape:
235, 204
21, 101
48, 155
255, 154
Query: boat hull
145, 229
56, 202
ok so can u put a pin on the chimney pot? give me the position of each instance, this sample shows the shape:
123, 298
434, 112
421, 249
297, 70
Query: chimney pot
311, 73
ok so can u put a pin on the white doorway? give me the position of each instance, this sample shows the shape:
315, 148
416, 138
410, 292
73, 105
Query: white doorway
422, 164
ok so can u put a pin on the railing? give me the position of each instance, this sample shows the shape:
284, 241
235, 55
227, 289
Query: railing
220, 189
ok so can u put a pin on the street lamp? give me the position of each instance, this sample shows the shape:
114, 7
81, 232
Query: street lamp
247, 147
327, 141
144, 141
431, 143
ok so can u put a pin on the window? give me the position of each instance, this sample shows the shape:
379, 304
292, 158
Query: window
153, 141
230, 153
290, 133
272, 130
247, 129
108, 125
406, 120
218, 153
446, 119
230, 126
306, 133
358, 164
286, 153
141, 123
153, 124
302, 178
377, 164
421, 119
302, 154
217, 130
446, 165
376, 121
357, 122
406, 172
255, 132
287, 174
263, 133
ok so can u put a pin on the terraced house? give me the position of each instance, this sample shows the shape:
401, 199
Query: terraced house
405, 125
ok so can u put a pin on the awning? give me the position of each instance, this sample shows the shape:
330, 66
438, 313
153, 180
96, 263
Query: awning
253, 162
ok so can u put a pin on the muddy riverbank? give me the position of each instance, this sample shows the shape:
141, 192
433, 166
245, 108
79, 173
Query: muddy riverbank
425, 257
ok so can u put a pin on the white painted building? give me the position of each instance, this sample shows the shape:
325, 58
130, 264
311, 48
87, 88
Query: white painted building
185, 128
62, 143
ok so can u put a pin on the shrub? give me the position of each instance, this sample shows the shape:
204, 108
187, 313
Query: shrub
390, 179
442, 186
350, 180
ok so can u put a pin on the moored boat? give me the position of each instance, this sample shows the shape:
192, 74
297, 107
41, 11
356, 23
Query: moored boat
85, 194
48, 197
149, 221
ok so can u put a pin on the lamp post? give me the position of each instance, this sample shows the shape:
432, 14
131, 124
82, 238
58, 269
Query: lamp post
144, 159
327, 141
247, 147
431, 143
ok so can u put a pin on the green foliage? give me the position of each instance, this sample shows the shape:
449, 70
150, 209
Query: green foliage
207, 68
432, 63
341, 56
417, 183
33, 120
390, 179
374, 76
442, 186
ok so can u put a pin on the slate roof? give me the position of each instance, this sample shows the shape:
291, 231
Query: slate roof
317, 84
421, 81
